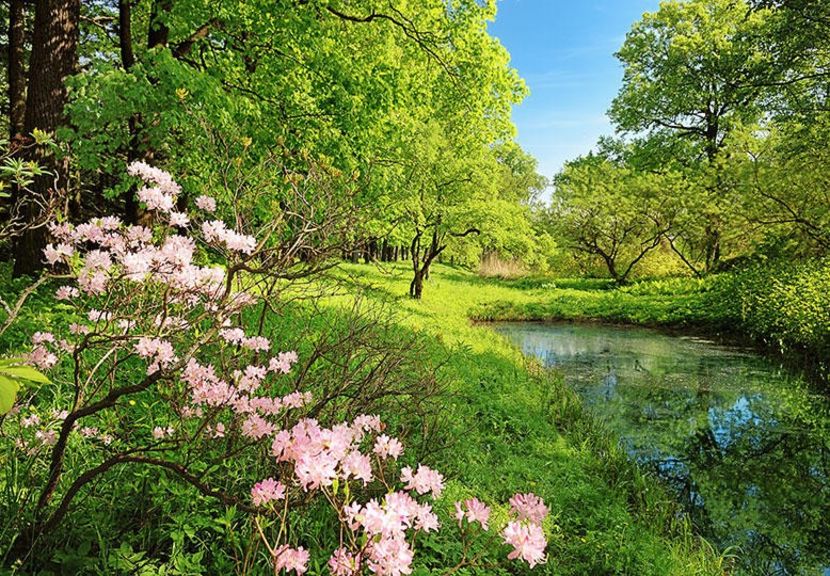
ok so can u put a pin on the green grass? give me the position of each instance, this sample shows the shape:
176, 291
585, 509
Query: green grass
518, 427
508, 426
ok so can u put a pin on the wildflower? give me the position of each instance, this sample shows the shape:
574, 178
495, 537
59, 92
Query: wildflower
288, 559
267, 491
423, 481
342, 563
206, 203
67, 293
528, 542
476, 511
528, 507
386, 447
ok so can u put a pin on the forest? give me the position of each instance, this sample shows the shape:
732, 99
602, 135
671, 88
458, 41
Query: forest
252, 253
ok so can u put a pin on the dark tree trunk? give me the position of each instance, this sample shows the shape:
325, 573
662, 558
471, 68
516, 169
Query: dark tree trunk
416, 287
17, 76
54, 57
125, 40
159, 32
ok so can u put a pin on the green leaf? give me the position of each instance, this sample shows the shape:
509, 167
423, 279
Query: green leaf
8, 393
24, 373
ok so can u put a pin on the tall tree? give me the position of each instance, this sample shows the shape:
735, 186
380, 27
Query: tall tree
53, 59
698, 69
16, 67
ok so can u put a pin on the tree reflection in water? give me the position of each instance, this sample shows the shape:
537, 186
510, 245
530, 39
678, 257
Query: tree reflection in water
744, 444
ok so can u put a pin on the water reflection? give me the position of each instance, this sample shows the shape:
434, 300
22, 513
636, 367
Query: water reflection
743, 443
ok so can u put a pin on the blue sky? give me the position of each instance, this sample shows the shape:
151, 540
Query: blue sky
564, 49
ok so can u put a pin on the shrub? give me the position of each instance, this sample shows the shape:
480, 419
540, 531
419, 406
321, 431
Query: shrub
161, 370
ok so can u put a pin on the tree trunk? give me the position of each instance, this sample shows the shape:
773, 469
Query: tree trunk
416, 287
54, 57
17, 78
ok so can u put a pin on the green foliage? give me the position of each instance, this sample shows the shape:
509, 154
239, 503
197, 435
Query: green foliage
12, 374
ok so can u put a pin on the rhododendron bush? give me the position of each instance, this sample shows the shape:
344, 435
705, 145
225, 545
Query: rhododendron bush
165, 372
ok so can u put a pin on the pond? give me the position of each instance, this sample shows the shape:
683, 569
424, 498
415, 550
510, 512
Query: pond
743, 443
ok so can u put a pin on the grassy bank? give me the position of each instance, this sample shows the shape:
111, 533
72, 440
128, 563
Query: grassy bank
517, 427
506, 426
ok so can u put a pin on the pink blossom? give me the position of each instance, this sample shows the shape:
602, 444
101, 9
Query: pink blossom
55, 254
257, 427
159, 433
476, 511
288, 559
528, 541
386, 447
257, 344
179, 219
206, 203
296, 399
155, 199
314, 471
232, 335
155, 176
160, 351
528, 507
357, 465
31, 420
423, 481
390, 557
266, 491
88, 431
76, 328
43, 337
67, 293
47, 437
342, 563
41, 358
283, 362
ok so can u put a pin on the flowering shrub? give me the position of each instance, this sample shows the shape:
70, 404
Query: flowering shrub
161, 322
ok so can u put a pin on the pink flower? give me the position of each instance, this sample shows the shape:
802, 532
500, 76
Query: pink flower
386, 447
390, 557
342, 563
257, 344
67, 293
179, 219
160, 351
55, 254
155, 176
232, 335
160, 433
257, 427
283, 362
476, 511
267, 491
288, 559
31, 420
41, 358
528, 507
357, 465
528, 541
423, 481
155, 199
42, 338
314, 471
206, 203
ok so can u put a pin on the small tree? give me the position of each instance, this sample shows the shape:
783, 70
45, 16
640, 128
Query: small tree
611, 213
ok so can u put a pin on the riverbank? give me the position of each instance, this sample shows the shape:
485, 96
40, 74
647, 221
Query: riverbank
517, 425
781, 309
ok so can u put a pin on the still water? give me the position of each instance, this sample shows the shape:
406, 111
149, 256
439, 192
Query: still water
743, 443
